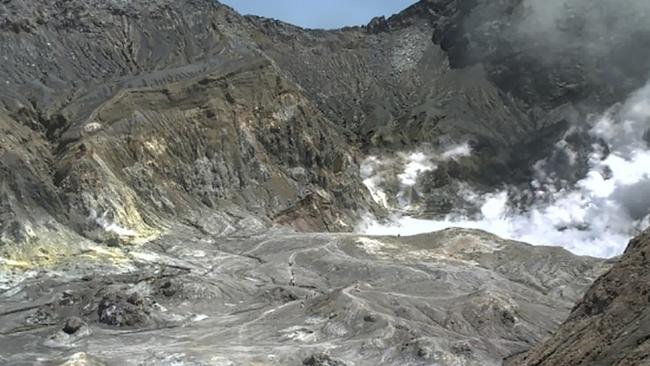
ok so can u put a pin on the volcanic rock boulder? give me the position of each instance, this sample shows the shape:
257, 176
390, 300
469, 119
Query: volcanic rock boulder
322, 359
116, 309
72, 325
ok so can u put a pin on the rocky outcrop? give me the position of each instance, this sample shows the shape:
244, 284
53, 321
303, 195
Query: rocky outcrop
610, 325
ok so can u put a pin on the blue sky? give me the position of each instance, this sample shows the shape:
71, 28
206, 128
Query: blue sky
320, 13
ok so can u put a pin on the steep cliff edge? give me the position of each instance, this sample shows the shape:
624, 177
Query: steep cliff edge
611, 324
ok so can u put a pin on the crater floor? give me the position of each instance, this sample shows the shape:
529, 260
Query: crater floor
455, 297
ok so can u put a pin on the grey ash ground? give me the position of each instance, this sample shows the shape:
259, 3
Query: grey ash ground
454, 297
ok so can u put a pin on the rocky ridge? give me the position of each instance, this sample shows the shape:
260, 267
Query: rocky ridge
609, 325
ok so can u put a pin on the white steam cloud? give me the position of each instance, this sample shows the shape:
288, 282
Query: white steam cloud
597, 216
106, 222
592, 25
379, 173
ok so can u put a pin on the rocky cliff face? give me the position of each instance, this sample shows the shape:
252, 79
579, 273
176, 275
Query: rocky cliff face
121, 117
609, 326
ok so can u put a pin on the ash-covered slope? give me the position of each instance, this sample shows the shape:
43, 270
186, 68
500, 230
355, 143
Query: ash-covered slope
126, 118
611, 324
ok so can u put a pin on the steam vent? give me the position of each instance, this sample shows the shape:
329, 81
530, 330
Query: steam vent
462, 183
